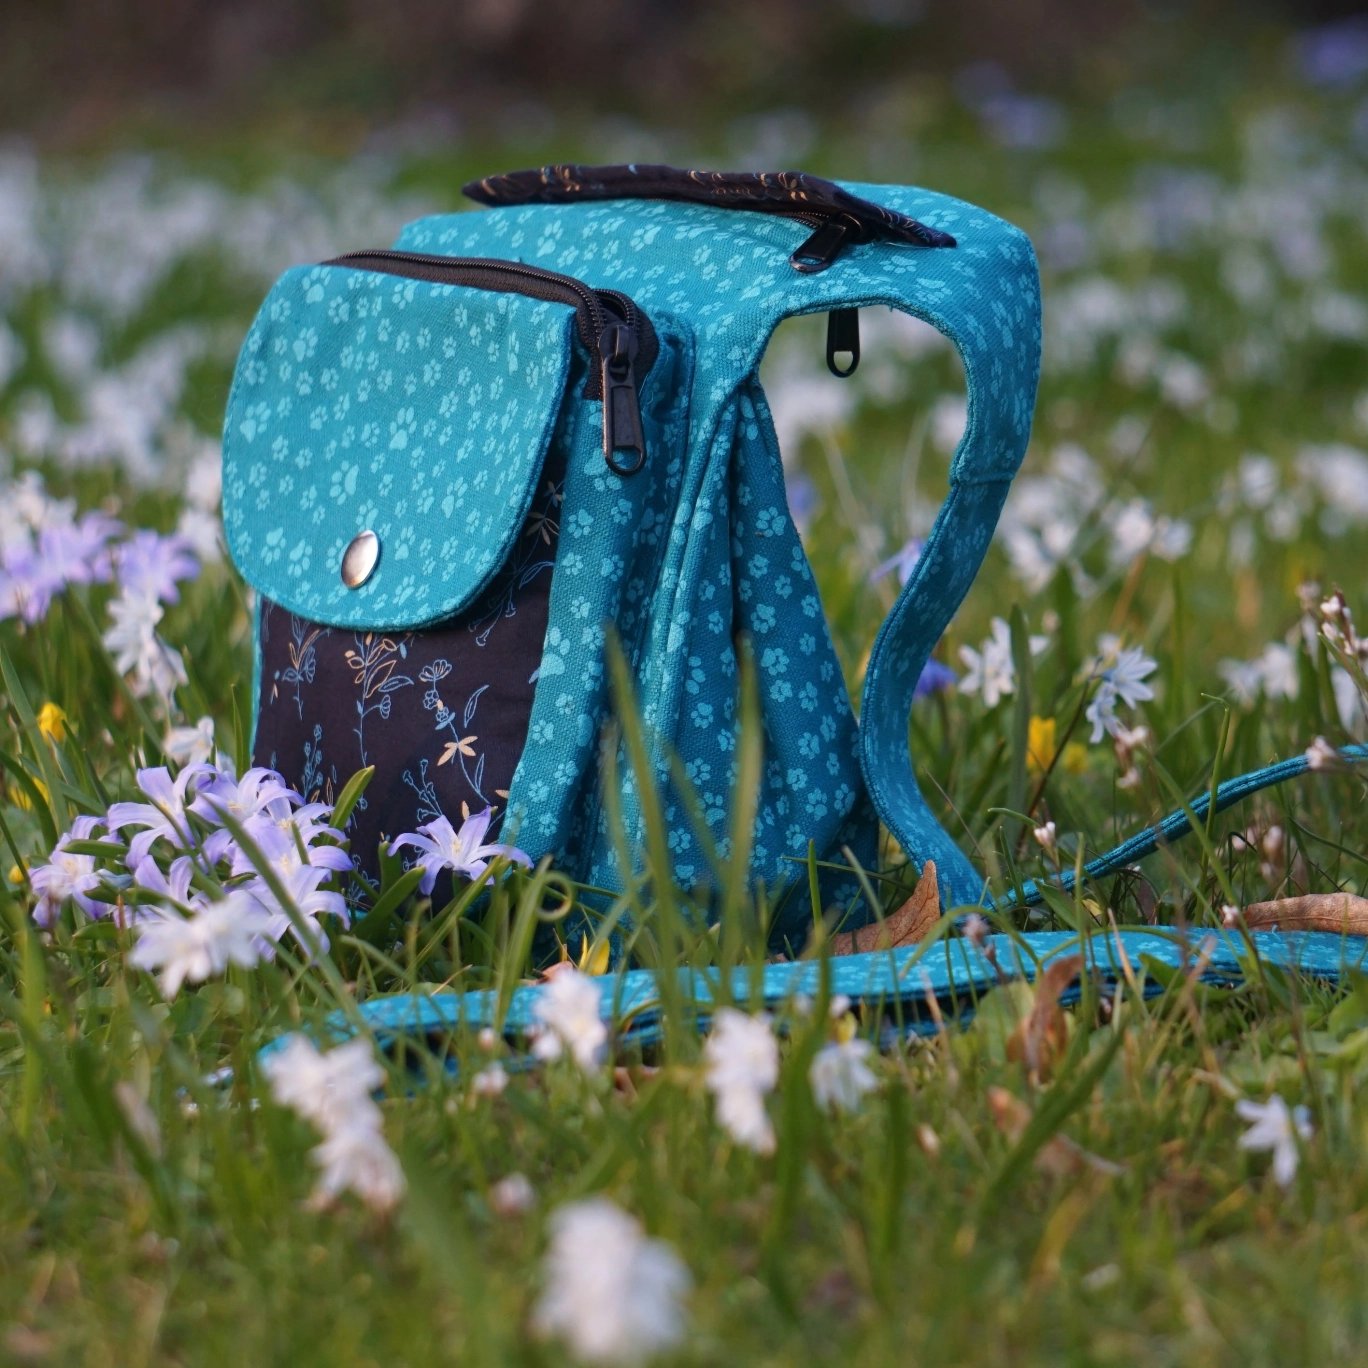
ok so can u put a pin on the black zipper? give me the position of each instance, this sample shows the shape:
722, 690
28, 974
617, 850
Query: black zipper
830, 235
617, 335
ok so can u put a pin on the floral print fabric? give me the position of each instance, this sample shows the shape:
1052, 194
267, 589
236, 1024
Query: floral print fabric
441, 713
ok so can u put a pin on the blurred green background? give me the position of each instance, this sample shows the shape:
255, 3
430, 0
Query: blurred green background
77, 74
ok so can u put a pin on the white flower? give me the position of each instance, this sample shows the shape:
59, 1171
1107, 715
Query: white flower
990, 669
354, 1157
1321, 755
610, 1292
839, 1075
1045, 835
1274, 1126
1274, 673
330, 1089
1172, 539
489, 1081
153, 666
333, 1093
1132, 530
742, 1066
1350, 703
1123, 680
192, 949
512, 1195
568, 1011
977, 929
191, 745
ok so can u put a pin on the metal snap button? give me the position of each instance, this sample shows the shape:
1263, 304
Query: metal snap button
360, 559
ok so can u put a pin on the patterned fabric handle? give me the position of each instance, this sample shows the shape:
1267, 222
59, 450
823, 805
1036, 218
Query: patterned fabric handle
988, 304
1173, 826
783, 192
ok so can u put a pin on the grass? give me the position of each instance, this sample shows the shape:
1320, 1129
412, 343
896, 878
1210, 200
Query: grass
148, 1214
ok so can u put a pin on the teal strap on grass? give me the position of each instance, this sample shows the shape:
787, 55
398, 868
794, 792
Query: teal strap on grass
920, 986
917, 989
1173, 826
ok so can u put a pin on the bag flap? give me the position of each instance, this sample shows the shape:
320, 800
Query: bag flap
418, 412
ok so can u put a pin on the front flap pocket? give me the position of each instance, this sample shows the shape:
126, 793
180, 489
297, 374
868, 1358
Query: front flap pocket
383, 441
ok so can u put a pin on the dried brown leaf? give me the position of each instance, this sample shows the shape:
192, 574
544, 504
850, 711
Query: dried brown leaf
1343, 913
1058, 1155
907, 926
1043, 1034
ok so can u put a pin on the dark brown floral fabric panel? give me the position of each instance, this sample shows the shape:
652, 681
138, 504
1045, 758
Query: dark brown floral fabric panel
442, 713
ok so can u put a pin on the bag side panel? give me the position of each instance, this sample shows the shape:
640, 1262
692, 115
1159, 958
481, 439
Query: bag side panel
614, 536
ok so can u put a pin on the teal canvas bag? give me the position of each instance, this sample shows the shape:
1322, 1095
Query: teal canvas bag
453, 467
580, 360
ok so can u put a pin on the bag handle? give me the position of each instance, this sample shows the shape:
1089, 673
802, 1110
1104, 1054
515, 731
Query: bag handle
986, 300
1173, 826
797, 194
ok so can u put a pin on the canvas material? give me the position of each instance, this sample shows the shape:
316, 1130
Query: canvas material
683, 559
421, 411
725, 278
894, 986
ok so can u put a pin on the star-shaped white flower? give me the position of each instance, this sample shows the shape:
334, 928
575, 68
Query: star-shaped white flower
569, 1014
839, 1075
1275, 1126
742, 1063
610, 1292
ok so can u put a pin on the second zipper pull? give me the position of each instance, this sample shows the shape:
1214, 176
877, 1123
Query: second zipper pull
622, 432
843, 338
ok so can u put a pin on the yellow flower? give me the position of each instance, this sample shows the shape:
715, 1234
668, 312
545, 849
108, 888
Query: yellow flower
1041, 739
594, 956
1040, 744
52, 722
16, 874
21, 799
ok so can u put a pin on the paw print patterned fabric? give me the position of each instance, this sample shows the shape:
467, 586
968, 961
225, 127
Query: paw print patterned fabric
428, 414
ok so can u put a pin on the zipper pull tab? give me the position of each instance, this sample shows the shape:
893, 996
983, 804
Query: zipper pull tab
821, 249
843, 335
621, 409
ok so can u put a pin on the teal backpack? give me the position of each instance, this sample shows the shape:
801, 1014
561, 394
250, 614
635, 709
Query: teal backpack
452, 467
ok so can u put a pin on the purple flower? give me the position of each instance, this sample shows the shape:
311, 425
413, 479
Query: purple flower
67, 552
463, 852
165, 816
803, 499
301, 884
259, 791
67, 875
289, 833
149, 563
1335, 54
934, 678
903, 561
174, 887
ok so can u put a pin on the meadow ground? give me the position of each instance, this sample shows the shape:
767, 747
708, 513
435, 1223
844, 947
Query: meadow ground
1195, 493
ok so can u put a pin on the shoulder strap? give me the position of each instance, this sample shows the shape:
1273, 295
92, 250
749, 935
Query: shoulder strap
985, 297
1173, 826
